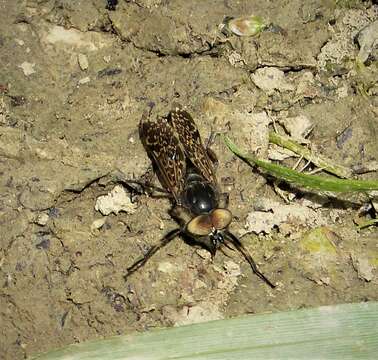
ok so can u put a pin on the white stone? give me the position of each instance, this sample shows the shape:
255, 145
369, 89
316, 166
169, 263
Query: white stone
83, 61
85, 80
115, 201
98, 224
270, 79
42, 219
27, 68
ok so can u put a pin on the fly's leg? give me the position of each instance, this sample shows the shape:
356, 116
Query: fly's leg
153, 191
211, 153
239, 246
143, 186
164, 241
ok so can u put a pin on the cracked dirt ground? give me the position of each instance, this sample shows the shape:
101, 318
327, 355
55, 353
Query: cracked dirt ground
67, 127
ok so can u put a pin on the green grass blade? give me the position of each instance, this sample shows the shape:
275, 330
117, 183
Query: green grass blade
305, 180
348, 331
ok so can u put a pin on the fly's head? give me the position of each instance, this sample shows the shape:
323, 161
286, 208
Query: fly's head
209, 228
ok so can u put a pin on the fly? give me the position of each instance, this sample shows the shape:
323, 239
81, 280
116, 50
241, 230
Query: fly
186, 170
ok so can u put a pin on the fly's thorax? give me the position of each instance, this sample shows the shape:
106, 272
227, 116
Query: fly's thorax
199, 195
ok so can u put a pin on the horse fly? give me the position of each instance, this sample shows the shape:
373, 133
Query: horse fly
185, 169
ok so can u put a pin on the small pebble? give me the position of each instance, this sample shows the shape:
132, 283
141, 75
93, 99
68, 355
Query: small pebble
27, 68
43, 245
85, 80
83, 62
42, 219
98, 224
19, 42
166, 267
115, 201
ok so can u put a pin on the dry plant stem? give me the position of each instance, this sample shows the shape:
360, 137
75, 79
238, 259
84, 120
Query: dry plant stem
320, 161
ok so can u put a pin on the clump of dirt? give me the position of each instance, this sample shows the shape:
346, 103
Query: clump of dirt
77, 77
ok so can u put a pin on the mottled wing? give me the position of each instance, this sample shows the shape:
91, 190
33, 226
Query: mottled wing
190, 139
164, 149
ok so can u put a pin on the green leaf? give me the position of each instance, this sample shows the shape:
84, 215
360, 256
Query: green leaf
305, 180
348, 331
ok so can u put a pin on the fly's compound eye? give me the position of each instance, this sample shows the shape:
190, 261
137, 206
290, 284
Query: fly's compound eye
221, 218
204, 224
201, 225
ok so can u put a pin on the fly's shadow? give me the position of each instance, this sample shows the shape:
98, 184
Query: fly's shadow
186, 171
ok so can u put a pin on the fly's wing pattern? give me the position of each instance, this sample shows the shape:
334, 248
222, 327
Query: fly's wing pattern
190, 139
165, 150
